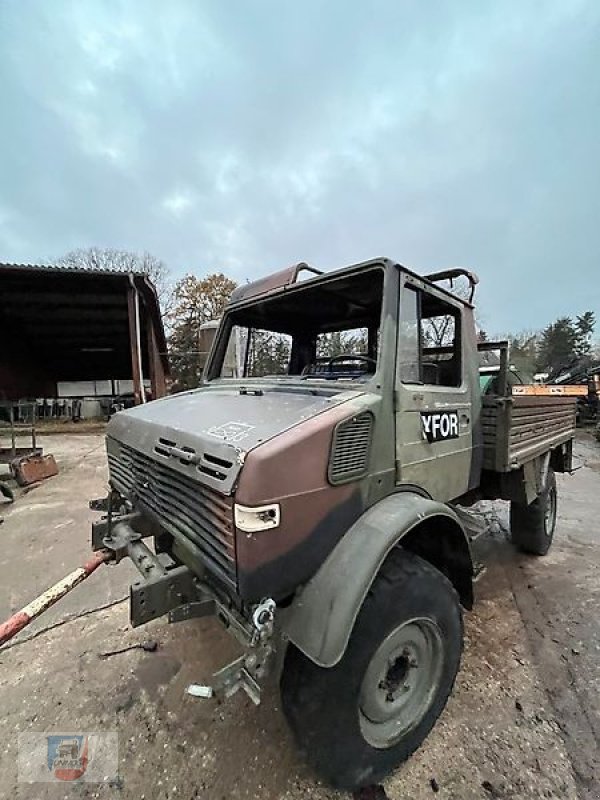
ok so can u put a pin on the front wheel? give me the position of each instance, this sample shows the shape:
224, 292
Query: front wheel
532, 526
363, 717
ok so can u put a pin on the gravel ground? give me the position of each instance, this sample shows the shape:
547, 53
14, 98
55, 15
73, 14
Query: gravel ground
523, 721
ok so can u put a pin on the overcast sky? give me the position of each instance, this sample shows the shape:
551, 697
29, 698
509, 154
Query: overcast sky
244, 136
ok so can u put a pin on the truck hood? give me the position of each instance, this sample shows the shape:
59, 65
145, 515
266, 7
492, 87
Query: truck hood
206, 433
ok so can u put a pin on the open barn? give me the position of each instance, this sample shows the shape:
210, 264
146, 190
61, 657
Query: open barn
70, 336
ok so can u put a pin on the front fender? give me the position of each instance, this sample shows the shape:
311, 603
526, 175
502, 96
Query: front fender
320, 620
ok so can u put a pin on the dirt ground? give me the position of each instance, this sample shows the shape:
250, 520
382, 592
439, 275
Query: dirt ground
523, 722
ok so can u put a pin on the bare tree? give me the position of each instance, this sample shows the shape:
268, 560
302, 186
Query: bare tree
110, 258
195, 301
440, 331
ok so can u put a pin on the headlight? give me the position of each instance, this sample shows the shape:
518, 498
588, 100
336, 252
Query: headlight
257, 518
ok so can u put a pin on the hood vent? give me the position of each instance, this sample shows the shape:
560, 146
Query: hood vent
204, 462
351, 448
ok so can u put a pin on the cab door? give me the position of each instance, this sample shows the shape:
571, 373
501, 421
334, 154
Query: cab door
432, 398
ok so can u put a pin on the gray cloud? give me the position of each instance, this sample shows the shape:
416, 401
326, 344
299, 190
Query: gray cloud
244, 136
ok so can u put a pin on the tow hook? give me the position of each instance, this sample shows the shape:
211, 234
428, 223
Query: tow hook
245, 672
264, 618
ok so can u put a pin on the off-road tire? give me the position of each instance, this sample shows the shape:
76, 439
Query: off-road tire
323, 706
532, 527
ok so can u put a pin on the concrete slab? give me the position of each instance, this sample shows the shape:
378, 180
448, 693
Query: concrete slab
46, 533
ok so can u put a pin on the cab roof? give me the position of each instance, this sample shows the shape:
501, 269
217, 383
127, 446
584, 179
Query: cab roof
290, 277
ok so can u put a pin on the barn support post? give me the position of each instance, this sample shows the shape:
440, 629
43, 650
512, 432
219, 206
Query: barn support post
157, 372
133, 314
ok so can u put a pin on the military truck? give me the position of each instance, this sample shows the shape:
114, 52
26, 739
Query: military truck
313, 495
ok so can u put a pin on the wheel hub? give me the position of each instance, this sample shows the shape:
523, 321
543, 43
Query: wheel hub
400, 682
550, 513
395, 679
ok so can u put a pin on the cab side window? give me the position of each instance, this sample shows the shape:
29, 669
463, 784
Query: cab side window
429, 341
409, 335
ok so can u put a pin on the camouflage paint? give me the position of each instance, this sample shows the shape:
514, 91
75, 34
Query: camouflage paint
291, 470
206, 433
273, 444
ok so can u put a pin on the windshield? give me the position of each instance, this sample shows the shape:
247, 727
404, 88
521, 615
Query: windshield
327, 331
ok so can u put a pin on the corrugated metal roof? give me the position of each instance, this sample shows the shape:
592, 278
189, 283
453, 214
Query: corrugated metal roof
61, 268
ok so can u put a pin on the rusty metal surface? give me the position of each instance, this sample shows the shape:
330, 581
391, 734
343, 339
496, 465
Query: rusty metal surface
264, 285
34, 468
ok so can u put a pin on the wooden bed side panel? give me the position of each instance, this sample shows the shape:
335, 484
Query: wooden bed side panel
518, 429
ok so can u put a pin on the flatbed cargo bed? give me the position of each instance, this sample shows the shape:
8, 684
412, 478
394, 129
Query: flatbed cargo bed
519, 428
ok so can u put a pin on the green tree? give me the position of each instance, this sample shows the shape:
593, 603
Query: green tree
584, 327
557, 345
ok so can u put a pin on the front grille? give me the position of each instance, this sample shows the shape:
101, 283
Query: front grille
181, 506
350, 448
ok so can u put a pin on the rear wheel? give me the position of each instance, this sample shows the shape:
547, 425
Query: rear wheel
363, 717
532, 527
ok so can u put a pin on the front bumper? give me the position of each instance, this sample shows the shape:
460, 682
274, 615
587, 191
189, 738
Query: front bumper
168, 587
164, 584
